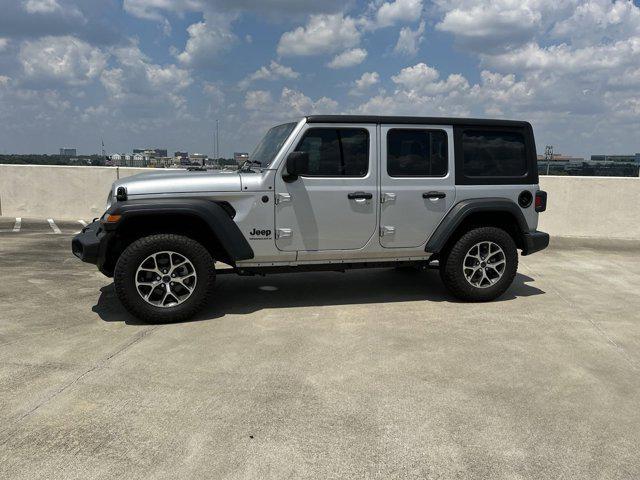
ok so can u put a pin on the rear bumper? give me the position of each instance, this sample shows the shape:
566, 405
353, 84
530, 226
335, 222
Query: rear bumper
534, 242
90, 245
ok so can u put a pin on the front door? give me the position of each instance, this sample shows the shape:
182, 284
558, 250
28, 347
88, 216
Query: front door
333, 206
417, 182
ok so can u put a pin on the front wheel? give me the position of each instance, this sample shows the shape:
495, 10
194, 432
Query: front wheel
481, 265
164, 278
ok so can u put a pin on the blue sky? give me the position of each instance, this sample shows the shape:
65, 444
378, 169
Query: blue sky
160, 72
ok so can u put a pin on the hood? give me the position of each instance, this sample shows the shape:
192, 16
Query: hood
179, 181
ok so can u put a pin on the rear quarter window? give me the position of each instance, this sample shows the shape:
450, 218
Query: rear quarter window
493, 153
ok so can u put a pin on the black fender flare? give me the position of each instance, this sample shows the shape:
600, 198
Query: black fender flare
463, 209
218, 220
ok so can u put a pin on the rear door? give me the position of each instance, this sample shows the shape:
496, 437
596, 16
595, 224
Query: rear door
333, 205
417, 182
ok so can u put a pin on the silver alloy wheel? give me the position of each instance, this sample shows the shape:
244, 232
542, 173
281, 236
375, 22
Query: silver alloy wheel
166, 279
484, 264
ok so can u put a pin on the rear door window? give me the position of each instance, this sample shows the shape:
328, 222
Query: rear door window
491, 153
417, 153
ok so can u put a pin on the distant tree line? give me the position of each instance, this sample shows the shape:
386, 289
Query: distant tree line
590, 169
33, 159
226, 161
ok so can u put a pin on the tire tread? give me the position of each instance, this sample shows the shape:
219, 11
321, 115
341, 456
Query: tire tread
451, 271
152, 314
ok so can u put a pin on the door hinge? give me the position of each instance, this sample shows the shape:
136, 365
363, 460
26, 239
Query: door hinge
387, 230
282, 198
387, 197
284, 233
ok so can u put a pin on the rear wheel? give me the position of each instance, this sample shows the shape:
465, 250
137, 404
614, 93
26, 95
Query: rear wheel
481, 265
164, 278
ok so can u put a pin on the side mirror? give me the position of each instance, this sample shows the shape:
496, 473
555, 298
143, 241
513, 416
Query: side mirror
297, 164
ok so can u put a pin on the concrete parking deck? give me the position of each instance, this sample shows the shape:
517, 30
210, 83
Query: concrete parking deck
368, 374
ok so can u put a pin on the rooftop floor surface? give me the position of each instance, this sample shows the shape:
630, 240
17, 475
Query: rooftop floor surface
367, 374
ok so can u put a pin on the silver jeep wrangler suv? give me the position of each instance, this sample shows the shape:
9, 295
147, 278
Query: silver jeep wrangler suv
328, 193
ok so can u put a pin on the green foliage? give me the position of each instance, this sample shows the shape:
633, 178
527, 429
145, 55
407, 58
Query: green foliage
33, 159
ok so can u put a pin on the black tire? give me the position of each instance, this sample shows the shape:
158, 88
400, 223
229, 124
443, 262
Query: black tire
451, 266
138, 251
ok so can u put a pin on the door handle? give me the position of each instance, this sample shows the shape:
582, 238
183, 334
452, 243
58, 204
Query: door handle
434, 195
360, 196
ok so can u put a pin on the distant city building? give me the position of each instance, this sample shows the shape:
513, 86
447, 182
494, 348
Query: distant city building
240, 157
151, 152
198, 158
163, 162
181, 155
115, 159
68, 152
558, 157
136, 160
597, 165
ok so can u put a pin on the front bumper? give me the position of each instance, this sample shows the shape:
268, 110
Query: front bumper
534, 242
90, 245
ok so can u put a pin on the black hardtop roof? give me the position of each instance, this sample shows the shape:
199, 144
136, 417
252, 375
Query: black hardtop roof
479, 122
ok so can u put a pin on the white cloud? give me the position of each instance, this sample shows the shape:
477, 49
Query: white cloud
41, 6
365, 82
166, 28
257, 99
290, 104
207, 40
4, 43
416, 77
137, 84
564, 59
489, 24
298, 104
409, 40
398, 11
322, 34
154, 9
264, 111
64, 59
421, 92
597, 20
273, 71
349, 58
215, 94
53, 8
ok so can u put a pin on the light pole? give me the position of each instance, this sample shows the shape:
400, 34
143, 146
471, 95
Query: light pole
548, 155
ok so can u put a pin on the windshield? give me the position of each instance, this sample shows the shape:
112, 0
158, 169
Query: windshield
270, 145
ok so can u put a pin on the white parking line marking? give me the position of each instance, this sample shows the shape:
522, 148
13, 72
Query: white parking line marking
18, 224
53, 226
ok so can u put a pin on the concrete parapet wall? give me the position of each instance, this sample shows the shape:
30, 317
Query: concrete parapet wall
592, 207
57, 191
579, 207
